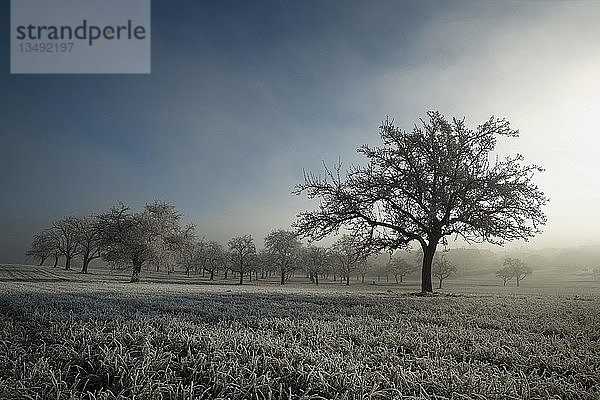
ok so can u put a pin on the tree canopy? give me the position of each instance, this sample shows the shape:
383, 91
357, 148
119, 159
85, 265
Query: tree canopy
284, 248
442, 268
349, 253
438, 180
515, 268
242, 251
43, 246
139, 237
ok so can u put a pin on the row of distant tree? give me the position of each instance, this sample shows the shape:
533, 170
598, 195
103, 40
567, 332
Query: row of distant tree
595, 272
156, 239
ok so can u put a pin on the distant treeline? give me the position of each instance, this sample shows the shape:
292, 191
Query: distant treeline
154, 238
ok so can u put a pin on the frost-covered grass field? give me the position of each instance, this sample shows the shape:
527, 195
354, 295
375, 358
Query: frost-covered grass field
64, 335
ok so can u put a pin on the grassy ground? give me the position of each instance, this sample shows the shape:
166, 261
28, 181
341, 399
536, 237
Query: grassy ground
65, 335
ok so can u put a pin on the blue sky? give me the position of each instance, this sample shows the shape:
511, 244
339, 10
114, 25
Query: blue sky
244, 95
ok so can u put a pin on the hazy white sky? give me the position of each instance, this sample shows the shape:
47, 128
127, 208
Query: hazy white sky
244, 95
540, 69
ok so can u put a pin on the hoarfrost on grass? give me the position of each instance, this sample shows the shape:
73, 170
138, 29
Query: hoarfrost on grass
65, 339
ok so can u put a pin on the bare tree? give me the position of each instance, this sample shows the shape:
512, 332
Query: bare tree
315, 260
128, 236
363, 267
56, 254
66, 238
186, 250
506, 274
43, 246
208, 257
87, 237
284, 248
442, 269
242, 251
168, 238
125, 237
265, 261
400, 267
425, 185
519, 268
186, 255
217, 258
348, 252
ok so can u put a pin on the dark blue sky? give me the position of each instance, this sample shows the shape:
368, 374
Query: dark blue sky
244, 95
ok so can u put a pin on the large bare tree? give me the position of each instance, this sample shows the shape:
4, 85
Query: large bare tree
438, 180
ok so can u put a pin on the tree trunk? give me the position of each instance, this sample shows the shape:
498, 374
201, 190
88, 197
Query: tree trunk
241, 277
439, 287
86, 261
396, 278
68, 262
428, 253
348, 280
212, 275
518, 280
42, 259
282, 280
362, 278
137, 268
401, 278
317, 279
55, 261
